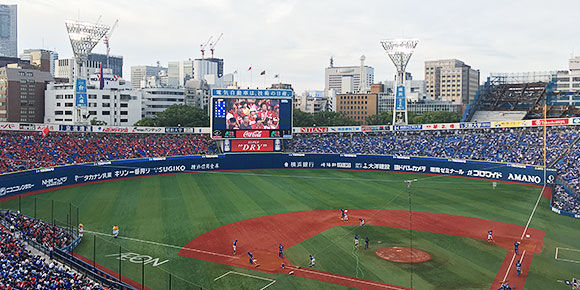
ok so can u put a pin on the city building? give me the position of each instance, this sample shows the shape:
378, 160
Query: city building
569, 80
140, 74
8, 31
114, 63
65, 68
357, 106
156, 100
385, 103
313, 101
347, 79
415, 90
197, 94
22, 94
452, 80
179, 72
116, 104
43, 59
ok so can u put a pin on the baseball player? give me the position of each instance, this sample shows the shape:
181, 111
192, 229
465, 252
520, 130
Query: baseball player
341, 214
312, 261
81, 230
356, 242
366, 243
519, 267
234, 245
490, 236
281, 251
516, 247
115, 231
362, 222
494, 184
251, 257
345, 218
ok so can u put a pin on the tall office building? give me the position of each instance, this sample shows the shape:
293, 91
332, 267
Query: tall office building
569, 80
115, 62
8, 31
347, 79
452, 80
44, 59
141, 73
179, 72
22, 94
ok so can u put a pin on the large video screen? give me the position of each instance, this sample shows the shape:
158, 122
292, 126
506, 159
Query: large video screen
251, 118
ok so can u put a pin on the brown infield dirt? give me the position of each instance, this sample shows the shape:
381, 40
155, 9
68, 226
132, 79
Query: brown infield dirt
262, 235
403, 255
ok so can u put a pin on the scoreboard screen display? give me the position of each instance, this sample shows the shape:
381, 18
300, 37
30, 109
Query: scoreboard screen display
251, 118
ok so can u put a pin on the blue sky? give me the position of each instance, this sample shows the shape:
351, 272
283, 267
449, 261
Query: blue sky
296, 38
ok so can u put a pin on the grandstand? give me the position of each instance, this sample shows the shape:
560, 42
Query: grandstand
520, 97
519, 144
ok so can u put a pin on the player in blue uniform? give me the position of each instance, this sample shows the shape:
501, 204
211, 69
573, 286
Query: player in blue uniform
362, 222
280, 251
519, 267
490, 236
234, 245
366, 242
342, 214
251, 257
312, 262
356, 242
516, 247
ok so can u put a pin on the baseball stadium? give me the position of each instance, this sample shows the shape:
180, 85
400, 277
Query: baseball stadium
471, 205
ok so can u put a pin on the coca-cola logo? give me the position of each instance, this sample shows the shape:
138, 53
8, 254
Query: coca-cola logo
253, 134
313, 129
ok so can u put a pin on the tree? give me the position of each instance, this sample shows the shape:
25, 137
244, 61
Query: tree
302, 119
383, 118
178, 115
96, 122
328, 118
147, 122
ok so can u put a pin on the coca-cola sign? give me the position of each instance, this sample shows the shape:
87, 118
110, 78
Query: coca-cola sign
313, 129
252, 134
252, 145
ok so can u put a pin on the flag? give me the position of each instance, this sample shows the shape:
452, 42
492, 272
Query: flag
250, 68
263, 73
236, 72
276, 76
45, 132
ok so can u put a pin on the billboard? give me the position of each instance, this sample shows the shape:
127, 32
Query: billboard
252, 145
400, 102
81, 93
256, 118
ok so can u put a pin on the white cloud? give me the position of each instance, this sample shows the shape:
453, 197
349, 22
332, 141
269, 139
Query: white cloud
296, 38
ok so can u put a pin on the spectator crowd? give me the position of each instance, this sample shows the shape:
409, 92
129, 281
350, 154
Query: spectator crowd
29, 150
21, 269
46, 234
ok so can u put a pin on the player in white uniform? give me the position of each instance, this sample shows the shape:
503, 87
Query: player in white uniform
312, 261
81, 230
115, 231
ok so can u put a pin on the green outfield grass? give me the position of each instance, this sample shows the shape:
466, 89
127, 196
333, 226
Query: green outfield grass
174, 209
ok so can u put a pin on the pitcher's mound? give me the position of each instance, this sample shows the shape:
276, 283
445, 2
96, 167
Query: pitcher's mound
403, 255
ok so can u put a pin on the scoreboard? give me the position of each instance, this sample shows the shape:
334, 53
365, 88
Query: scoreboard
251, 114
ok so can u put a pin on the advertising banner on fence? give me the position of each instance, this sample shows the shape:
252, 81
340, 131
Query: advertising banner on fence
252, 145
33, 180
550, 122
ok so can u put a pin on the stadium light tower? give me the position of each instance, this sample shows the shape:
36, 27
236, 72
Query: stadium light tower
83, 38
400, 51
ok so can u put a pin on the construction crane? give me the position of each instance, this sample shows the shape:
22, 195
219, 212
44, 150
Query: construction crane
203, 46
106, 39
212, 46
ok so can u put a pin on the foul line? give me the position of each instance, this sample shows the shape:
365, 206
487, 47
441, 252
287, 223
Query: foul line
510, 266
348, 279
533, 211
248, 275
166, 245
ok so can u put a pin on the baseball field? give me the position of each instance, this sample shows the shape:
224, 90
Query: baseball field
177, 230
